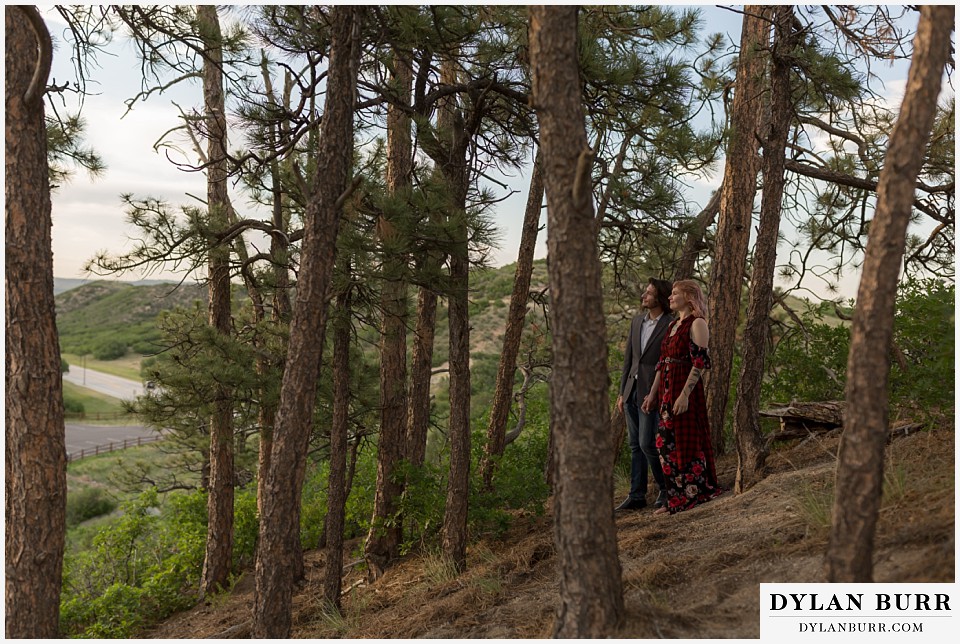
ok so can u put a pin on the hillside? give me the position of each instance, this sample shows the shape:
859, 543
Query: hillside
102, 311
692, 575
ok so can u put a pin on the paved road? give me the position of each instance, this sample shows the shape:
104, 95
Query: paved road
104, 383
88, 437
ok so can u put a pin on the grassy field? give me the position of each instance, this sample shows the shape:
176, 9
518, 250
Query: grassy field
126, 367
93, 401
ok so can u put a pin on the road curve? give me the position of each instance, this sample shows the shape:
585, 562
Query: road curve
90, 437
104, 383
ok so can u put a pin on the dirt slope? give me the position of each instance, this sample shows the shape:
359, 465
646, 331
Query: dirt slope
692, 575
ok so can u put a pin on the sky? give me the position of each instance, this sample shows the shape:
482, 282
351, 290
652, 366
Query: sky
88, 214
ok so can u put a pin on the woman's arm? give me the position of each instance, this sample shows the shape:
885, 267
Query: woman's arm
699, 335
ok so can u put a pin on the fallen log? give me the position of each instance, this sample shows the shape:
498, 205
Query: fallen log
803, 419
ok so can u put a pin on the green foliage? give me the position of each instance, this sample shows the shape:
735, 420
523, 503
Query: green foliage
72, 405
809, 368
519, 482
923, 331
100, 313
813, 367
146, 564
422, 504
313, 505
87, 503
109, 349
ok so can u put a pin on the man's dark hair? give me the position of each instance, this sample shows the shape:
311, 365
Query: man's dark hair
664, 287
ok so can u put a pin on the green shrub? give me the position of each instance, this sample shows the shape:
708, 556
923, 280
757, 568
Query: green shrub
146, 564
87, 503
71, 405
923, 332
110, 350
809, 368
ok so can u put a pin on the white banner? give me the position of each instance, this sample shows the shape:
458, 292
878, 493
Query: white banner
858, 612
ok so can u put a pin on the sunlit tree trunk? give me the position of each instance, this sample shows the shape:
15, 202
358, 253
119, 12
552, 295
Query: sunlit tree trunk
277, 548
860, 467
591, 597
219, 545
751, 453
736, 212
35, 453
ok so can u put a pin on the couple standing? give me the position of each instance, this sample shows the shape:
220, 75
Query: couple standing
662, 397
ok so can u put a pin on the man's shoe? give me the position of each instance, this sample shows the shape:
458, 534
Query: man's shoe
661, 499
631, 504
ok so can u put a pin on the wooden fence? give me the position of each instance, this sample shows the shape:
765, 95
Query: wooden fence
112, 447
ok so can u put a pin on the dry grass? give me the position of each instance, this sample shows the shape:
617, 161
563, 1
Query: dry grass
692, 575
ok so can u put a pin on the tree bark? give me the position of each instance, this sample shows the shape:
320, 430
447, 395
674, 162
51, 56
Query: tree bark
591, 597
336, 482
751, 452
693, 242
218, 557
736, 212
383, 541
421, 367
860, 467
35, 452
516, 315
277, 549
454, 169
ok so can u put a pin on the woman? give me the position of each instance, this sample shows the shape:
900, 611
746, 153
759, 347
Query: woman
683, 440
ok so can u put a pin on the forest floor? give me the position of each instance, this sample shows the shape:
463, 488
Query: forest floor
690, 575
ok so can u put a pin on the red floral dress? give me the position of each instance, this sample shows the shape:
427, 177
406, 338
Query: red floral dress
686, 453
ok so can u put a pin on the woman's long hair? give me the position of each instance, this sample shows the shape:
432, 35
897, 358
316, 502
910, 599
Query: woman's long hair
691, 291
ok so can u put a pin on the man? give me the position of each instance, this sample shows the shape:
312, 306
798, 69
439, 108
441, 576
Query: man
639, 369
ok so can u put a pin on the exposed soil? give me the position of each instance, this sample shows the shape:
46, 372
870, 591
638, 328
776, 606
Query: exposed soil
691, 575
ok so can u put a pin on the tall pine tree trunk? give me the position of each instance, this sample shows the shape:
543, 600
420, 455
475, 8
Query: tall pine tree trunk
35, 452
336, 484
281, 300
277, 548
860, 467
750, 450
219, 545
736, 212
591, 597
516, 315
454, 169
383, 541
421, 368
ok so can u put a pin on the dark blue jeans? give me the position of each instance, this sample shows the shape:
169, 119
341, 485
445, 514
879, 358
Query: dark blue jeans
642, 436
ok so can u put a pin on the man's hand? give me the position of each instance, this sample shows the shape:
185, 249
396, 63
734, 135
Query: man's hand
620, 404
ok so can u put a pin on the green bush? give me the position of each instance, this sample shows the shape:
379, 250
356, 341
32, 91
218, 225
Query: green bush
923, 332
146, 564
71, 405
110, 350
809, 368
87, 503
814, 366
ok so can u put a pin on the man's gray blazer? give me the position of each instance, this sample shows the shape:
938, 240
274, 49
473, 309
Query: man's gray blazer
639, 368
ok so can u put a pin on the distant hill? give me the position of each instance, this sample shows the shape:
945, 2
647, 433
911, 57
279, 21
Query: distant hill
64, 284
97, 312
